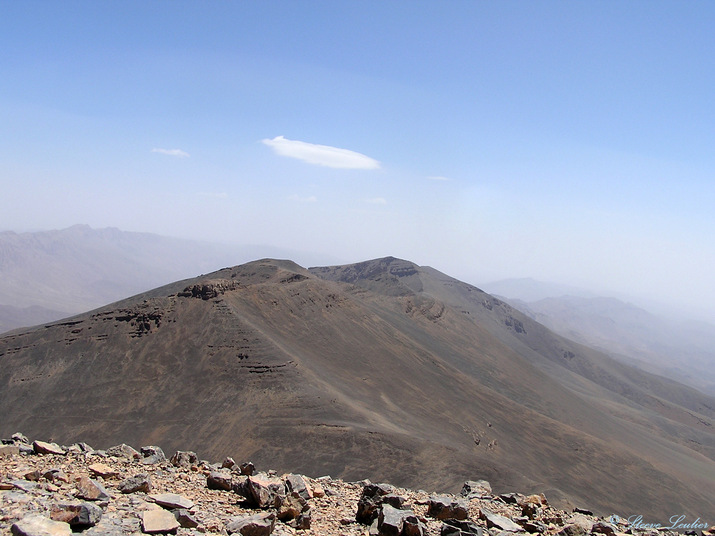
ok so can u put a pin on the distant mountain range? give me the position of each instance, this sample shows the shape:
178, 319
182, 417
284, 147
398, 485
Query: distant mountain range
381, 369
52, 274
681, 349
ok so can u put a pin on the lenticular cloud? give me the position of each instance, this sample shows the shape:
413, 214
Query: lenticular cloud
321, 155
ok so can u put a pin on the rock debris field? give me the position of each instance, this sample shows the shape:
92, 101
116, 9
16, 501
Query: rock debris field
52, 490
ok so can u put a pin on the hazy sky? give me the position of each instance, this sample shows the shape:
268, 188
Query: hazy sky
566, 141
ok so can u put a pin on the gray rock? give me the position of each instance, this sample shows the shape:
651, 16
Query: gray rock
152, 455
572, 529
185, 519
500, 522
390, 520
239, 485
444, 507
456, 527
247, 469
154, 521
184, 459
266, 491
603, 527
534, 526
33, 476
394, 500
257, 525
24, 485
171, 501
140, 482
41, 447
219, 480
298, 484
91, 490
370, 501
56, 475
123, 451
577, 525
303, 521
20, 438
292, 506
78, 515
413, 526
476, 488
38, 525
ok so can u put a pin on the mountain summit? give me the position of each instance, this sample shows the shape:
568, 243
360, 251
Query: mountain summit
381, 369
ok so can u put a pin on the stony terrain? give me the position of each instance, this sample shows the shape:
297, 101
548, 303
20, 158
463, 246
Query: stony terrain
47, 489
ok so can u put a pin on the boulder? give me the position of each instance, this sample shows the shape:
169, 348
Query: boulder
303, 521
103, 470
184, 459
266, 491
257, 525
228, 463
91, 490
123, 451
476, 489
140, 482
318, 491
413, 526
219, 480
292, 506
247, 469
298, 484
38, 525
185, 519
79, 515
390, 520
17, 437
152, 455
444, 507
370, 501
171, 500
155, 521
499, 522
56, 475
41, 447
239, 485
456, 527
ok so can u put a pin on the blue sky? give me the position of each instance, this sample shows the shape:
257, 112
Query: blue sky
566, 141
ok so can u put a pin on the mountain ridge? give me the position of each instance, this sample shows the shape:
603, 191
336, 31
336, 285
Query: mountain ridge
343, 362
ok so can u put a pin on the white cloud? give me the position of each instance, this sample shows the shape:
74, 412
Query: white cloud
309, 199
377, 201
172, 152
321, 155
438, 178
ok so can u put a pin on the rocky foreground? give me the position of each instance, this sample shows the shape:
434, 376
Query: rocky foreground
47, 489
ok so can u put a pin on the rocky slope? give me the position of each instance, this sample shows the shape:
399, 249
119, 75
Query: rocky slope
383, 370
47, 489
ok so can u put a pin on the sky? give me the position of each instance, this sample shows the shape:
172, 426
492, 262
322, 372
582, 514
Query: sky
565, 141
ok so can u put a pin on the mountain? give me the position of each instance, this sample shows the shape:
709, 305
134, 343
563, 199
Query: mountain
49, 275
382, 369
